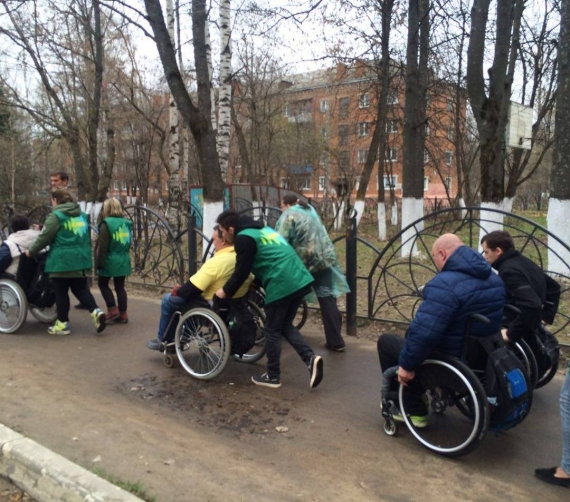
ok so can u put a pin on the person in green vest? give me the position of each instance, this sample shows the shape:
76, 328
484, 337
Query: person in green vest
113, 258
273, 262
69, 261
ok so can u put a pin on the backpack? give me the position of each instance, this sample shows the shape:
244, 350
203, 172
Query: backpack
35, 282
548, 350
242, 328
507, 388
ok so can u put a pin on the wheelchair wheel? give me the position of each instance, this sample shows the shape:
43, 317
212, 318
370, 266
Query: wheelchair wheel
522, 350
301, 317
46, 315
202, 343
456, 404
547, 377
258, 350
13, 306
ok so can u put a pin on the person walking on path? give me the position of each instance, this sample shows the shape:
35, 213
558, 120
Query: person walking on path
66, 232
113, 258
265, 253
301, 227
561, 475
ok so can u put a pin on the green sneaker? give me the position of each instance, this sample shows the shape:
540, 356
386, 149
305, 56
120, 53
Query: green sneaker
99, 318
418, 421
59, 329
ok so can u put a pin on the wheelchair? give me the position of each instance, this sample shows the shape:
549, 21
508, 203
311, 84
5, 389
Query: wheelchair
14, 306
257, 296
202, 344
455, 398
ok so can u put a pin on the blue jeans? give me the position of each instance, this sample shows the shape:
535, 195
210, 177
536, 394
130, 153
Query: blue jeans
565, 414
279, 317
170, 304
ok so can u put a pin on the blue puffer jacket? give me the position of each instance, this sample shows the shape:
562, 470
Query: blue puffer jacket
465, 286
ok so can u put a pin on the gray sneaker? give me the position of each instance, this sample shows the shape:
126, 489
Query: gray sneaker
153, 344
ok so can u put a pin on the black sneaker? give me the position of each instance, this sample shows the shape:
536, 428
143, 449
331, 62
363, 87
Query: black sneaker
265, 381
154, 344
316, 370
338, 348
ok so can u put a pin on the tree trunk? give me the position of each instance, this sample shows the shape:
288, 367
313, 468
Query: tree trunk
225, 94
559, 203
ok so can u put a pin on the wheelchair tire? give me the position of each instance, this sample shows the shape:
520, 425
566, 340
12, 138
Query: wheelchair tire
46, 315
258, 350
202, 343
13, 306
526, 356
301, 317
547, 377
456, 402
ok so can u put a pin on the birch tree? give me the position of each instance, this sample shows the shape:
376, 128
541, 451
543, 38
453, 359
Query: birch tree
225, 92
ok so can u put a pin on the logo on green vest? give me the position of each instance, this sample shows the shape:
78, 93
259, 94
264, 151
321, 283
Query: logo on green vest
122, 235
270, 236
76, 225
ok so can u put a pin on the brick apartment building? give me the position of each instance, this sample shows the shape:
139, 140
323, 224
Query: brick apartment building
336, 110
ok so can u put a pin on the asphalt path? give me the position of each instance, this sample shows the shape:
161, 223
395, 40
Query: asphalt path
108, 403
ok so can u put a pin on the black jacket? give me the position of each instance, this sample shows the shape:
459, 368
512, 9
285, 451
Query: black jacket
529, 289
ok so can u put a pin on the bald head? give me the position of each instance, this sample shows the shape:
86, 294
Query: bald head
444, 247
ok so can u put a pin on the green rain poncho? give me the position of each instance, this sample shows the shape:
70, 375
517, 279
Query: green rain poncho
303, 229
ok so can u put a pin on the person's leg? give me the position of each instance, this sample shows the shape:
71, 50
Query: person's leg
332, 322
274, 317
80, 289
61, 288
106, 292
169, 305
119, 283
292, 334
389, 348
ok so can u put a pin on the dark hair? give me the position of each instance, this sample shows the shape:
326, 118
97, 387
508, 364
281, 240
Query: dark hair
228, 219
499, 239
62, 175
19, 222
291, 200
219, 231
61, 196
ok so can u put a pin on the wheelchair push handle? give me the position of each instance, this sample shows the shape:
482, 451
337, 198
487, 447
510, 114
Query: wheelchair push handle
475, 318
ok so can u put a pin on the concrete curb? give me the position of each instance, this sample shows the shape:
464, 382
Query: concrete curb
48, 477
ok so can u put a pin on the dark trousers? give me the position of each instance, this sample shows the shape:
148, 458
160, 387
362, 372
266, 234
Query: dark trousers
389, 348
107, 294
80, 289
332, 321
279, 317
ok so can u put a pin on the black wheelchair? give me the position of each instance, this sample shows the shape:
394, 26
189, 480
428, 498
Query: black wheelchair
202, 343
454, 394
14, 306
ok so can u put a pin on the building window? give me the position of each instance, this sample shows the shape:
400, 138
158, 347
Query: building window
344, 159
391, 126
343, 108
447, 182
342, 135
448, 157
304, 184
286, 110
390, 182
324, 105
321, 183
450, 105
426, 183
450, 132
393, 98
363, 129
284, 182
362, 154
364, 101
392, 154
124, 185
115, 185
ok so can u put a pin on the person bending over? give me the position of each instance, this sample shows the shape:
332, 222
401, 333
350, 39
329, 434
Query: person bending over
16, 244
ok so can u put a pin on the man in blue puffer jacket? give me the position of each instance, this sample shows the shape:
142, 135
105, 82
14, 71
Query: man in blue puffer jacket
465, 285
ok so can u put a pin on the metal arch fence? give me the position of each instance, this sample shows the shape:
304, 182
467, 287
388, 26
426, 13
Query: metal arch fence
395, 282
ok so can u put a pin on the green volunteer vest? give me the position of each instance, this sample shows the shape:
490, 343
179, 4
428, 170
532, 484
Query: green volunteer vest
71, 249
276, 264
118, 261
